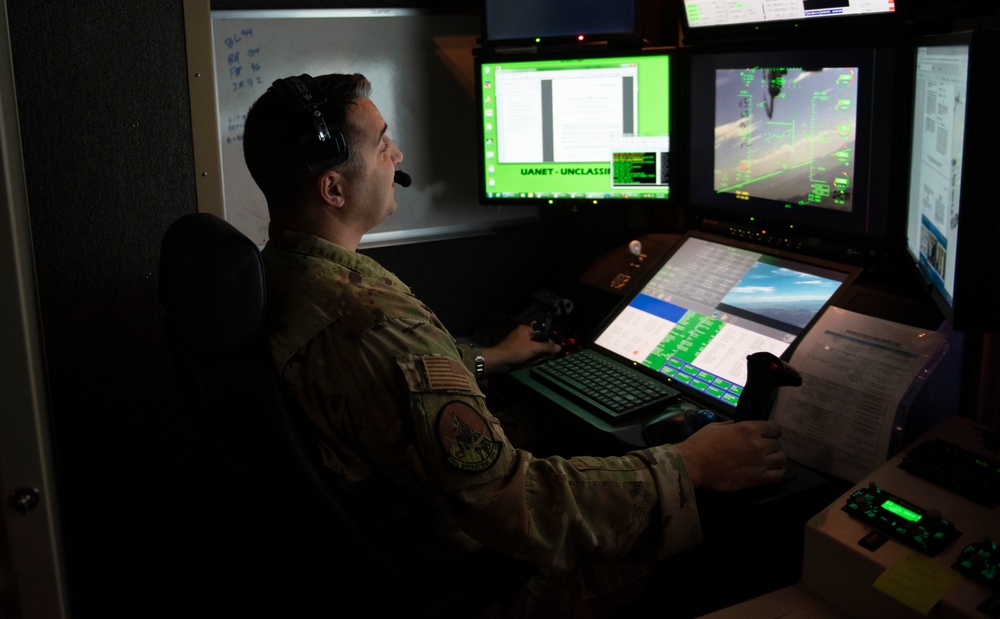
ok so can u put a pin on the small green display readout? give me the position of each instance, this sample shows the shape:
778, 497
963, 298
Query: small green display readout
901, 511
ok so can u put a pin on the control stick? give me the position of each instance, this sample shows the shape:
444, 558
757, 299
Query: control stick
765, 374
552, 305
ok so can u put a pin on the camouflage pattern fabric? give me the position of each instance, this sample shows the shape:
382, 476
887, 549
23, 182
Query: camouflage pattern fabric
401, 422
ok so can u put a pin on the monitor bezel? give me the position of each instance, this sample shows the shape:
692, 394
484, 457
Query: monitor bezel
975, 303
866, 237
580, 52
839, 26
631, 36
810, 262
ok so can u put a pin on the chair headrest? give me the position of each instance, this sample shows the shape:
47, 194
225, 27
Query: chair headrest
211, 284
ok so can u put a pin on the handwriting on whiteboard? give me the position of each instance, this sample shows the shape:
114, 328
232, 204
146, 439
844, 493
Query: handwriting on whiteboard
243, 73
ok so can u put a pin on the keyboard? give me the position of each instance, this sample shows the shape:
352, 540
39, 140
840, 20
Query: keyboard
956, 468
604, 385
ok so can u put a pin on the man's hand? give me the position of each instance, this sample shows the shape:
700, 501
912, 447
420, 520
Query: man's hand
730, 456
516, 349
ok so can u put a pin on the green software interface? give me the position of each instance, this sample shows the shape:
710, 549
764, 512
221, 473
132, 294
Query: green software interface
580, 128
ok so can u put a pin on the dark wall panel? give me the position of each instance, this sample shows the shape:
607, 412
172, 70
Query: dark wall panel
102, 98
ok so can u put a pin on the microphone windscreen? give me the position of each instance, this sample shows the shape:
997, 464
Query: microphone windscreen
402, 178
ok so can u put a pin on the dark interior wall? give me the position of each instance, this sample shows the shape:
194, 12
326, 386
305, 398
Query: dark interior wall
105, 121
102, 99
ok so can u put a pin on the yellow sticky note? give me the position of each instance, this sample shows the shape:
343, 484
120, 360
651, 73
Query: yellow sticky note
917, 581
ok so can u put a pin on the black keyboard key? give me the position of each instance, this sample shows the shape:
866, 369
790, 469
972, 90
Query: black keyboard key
606, 386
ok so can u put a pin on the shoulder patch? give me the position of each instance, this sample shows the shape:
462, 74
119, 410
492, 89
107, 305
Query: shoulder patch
446, 374
437, 373
466, 438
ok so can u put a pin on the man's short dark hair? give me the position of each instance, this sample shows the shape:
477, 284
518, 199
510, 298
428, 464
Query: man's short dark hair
271, 137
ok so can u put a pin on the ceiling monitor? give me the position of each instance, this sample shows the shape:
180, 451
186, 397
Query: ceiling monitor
575, 127
952, 221
708, 20
552, 22
794, 147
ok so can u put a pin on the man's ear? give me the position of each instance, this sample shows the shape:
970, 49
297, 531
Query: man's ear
330, 186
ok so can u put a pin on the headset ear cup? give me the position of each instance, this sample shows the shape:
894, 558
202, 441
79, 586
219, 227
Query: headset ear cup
322, 145
322, 155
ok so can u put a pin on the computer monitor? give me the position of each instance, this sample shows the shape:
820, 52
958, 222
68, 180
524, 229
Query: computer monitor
573, 128
713, 303
953, 218
547, 22
725, 19
793, 148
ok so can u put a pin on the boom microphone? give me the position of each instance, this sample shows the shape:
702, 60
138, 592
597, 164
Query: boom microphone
402, 178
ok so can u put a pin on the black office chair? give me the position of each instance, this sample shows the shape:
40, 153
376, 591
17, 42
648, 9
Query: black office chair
308, 556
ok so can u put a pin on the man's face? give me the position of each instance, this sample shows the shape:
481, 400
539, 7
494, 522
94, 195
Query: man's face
370, 191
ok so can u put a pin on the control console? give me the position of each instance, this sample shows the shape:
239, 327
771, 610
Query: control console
887, 546
911, 524
963, 471
979, 561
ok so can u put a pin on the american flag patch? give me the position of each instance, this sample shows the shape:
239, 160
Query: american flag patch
446, 374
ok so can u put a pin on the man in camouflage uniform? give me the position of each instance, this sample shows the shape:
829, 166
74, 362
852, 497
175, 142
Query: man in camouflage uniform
397, 411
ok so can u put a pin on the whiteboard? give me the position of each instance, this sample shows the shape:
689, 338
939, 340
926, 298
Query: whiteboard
421, 68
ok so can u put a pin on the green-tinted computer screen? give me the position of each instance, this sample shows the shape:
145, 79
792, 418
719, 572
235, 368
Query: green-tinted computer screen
582, 128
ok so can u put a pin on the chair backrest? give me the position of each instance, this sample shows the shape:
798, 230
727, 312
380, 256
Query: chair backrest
281, 508
285, 519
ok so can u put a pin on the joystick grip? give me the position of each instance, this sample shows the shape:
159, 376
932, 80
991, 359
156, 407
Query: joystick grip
765, 374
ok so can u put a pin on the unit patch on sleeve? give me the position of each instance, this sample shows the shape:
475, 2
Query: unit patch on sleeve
467, 439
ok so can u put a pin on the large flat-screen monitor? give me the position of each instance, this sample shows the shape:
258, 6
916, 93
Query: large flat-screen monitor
794, 147
713, 303
547, 22
582, 127
707, 19
953, 217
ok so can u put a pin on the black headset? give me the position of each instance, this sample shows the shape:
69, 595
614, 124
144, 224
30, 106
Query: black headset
322, 145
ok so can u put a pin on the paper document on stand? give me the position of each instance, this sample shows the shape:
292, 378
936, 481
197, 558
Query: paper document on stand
856, 370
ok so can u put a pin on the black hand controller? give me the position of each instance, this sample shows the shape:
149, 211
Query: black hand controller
552, 305
765, 374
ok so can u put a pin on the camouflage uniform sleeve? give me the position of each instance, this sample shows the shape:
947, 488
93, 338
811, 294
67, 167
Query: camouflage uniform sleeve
552, 512
468, 357
559, 512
